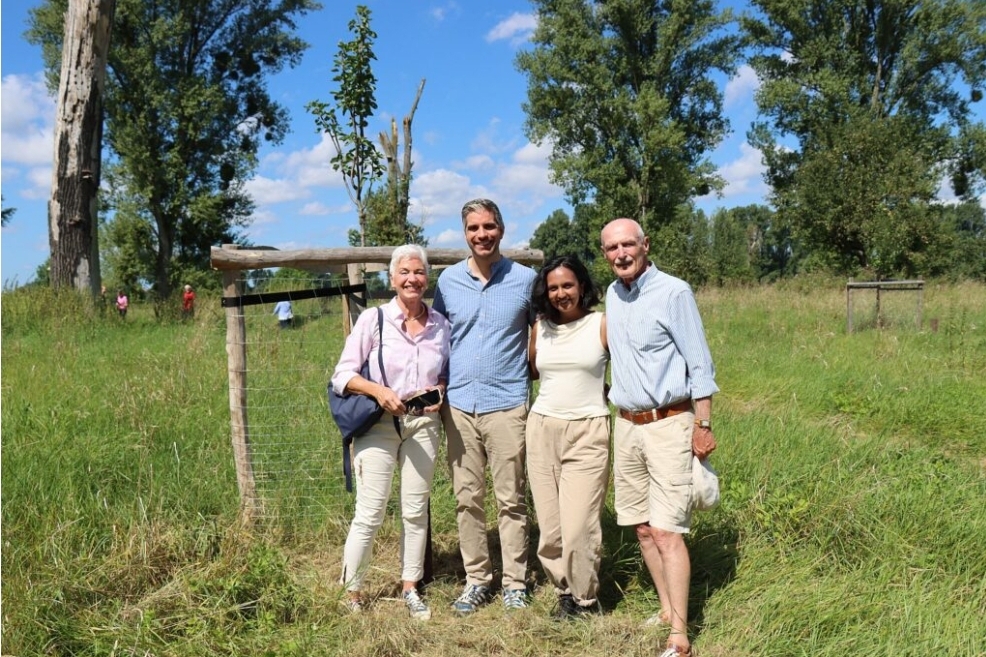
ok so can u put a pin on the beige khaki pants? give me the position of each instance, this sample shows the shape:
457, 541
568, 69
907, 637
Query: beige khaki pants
376, 454
568, 467
497, 438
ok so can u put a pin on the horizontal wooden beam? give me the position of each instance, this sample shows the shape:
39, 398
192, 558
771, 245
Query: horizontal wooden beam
885, 285
225, 259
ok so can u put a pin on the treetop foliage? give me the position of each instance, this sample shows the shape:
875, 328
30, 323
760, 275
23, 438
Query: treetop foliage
623, 93
186, 105
877, 98
356, 158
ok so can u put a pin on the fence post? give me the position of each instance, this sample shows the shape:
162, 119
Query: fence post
849, 307
236, 367
352, 305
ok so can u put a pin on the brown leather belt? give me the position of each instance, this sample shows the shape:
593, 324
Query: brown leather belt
655, 414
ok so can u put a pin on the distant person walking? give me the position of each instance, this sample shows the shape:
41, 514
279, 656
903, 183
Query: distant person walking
188, 303
284, 315
122, 303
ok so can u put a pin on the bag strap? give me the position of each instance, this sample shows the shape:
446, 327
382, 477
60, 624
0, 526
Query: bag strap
347, 464
383, 372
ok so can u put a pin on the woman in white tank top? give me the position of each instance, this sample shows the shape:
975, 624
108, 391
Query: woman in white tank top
568, 432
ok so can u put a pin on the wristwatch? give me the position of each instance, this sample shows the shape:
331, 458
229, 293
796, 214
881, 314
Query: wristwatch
704, 424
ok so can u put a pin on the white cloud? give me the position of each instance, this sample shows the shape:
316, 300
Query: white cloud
517, 28
439, 195
533, 154
319, 209
741, 87
475, 163
448, 237
266, 191
440, 13
307, 167
744, 175
27, 117
40, 179
263, 218
488, 140
525, 180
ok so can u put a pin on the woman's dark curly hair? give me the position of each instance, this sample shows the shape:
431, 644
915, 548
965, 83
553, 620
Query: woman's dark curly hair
539, 295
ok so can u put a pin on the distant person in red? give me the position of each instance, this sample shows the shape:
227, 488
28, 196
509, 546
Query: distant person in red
122, 302
188, 303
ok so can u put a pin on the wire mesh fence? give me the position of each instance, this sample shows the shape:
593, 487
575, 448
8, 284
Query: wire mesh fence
295, 447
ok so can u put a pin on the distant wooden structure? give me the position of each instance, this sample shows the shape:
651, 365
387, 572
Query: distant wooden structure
880, 287
231, 260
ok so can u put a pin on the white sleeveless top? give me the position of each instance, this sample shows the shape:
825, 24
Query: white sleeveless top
571, 362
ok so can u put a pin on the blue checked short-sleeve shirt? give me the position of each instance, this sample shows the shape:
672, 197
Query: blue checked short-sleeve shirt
488, 360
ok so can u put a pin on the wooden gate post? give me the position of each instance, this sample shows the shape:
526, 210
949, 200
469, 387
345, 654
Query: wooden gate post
236, 366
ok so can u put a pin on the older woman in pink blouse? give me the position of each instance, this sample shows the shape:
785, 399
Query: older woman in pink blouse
415, 354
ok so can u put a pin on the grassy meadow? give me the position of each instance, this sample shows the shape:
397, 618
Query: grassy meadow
853, 468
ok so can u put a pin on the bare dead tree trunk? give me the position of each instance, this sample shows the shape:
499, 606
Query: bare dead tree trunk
400, 178
72, 215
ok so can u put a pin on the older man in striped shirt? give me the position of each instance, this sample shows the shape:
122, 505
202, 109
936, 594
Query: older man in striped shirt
663, 382
487, 300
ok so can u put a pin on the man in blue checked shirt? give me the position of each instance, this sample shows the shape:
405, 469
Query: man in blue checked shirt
487, 300
663, 382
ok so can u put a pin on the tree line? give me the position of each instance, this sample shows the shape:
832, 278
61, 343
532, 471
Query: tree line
752, 244
866, 113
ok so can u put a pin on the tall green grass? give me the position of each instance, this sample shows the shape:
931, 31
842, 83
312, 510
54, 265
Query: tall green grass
853, 515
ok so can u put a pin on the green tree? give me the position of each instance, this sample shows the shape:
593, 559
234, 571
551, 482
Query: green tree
185, 109
683, 246
963, 253
560, 235
772, 252
356, 158
866, 105
623, 91
730, 254
7, 213
384, 226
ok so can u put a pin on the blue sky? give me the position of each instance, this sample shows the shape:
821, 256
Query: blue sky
468, 130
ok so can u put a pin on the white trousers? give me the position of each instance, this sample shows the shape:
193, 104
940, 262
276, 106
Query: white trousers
376, 454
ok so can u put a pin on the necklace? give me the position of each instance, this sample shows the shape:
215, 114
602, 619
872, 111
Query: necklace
418, 316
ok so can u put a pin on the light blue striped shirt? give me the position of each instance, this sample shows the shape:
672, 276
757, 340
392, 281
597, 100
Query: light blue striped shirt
488, 363
656, 343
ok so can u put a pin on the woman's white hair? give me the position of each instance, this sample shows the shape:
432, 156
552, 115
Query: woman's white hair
407, 252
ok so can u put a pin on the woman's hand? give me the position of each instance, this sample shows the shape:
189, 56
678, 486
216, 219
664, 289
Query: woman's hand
389, 401
437, 407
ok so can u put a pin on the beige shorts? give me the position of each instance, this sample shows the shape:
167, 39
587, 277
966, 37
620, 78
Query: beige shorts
652, 472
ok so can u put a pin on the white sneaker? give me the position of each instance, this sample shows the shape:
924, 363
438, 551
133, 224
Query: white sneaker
416, 606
